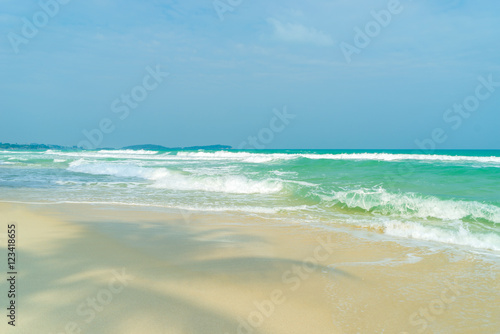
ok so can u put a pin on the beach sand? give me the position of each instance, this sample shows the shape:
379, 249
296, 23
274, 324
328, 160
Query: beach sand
101, 269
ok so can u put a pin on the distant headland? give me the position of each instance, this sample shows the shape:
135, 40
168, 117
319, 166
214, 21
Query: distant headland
149, 147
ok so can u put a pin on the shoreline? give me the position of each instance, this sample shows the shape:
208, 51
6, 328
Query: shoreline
361, 232
223, 273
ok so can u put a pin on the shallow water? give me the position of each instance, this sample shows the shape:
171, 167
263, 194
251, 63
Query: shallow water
448, 198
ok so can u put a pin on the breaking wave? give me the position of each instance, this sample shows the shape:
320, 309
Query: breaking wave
168, 179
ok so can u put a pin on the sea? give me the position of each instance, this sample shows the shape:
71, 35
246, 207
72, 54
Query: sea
445, 199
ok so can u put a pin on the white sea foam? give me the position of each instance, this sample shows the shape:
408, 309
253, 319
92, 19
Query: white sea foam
18, 152
396, 157
214, 170
167, 179
283, 173
117, 154
460, 236
302, 183
259, 158
135, 152
234, 184
104, 168
243, 209
396, 261
410, 205
235, 156
264, 157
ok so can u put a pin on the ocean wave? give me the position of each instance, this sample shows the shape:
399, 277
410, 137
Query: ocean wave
213, 171
399, 157
283, 173
234, 184
262, 158
164, 178
136, 152
238, 156
411, 205
268, 157
117, 154
460, 236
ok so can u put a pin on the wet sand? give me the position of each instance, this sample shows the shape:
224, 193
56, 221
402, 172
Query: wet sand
101, 269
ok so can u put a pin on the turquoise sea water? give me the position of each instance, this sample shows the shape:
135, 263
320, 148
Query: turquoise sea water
449, 197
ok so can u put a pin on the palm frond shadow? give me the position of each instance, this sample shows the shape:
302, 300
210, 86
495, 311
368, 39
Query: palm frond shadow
172, 254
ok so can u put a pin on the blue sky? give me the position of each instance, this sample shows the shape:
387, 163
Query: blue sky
226, 76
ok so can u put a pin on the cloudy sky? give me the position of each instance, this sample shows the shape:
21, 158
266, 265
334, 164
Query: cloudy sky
354, 74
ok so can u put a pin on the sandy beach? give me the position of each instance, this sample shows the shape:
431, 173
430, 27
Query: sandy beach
250, 167
102, 269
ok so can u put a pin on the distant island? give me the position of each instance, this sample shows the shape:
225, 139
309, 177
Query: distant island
8, 146
149, 147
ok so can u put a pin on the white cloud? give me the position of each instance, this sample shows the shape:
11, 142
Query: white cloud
298, 33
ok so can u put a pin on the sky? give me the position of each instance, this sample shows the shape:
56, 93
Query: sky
318, 74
